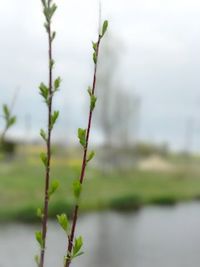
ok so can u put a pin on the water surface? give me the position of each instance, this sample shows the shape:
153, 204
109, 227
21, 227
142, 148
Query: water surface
152, 237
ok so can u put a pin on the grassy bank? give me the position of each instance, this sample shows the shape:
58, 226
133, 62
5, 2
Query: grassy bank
21, 183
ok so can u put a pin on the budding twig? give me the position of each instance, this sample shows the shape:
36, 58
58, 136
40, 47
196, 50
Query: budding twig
47, 92
74, 247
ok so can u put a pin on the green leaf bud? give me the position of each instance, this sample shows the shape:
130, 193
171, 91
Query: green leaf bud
53, 187
37, 260
44, 92
63, 221
82, 136
54, 118
91, 156
104, 28
38, 237
93, 101
53, 36
94, 45
40, 213
95, 58
57, 83
77, 247
89, 91
43, 135
77, 188
43, 158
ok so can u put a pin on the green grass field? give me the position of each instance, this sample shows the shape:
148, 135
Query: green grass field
22, 185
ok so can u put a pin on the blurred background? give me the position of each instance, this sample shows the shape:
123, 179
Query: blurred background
140, 205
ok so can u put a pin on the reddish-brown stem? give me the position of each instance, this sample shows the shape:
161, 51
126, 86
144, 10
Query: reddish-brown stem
84, 163
48, 149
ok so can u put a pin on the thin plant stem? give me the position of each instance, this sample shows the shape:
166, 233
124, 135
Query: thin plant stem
84, 164
47, 92
48, 148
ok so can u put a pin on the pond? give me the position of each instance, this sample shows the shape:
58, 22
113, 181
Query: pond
152, 237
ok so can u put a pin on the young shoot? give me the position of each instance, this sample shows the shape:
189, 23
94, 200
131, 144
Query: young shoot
47, 92
75, 244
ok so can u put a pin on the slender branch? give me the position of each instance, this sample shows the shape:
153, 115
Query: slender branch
47, 92
84, 160
48, 148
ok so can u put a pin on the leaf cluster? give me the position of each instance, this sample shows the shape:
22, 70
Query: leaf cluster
76, 251
95, 45
49, 9
45, 92
9, 119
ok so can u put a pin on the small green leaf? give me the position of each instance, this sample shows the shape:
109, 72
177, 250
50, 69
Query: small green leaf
49, 11
105, 27
37, 260
44, 92
43, 2
40, 213
95, 58
94, 45
51, 63
91, 156
53, 36
52, 10
54, 118
38, 237
63, 221
6, 111
11, 121
82, 136
43, 134
77, 188
46, 25
57, 83
93, 100
53, 187
89, 91
44, 159
77, 247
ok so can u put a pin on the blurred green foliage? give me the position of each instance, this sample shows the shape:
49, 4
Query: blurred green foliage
8, 148
20, 181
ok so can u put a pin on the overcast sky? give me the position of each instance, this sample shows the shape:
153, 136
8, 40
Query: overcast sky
159, 60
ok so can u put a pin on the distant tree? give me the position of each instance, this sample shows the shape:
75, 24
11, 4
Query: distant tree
107, 69
117, 111
118, 108
125, 118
